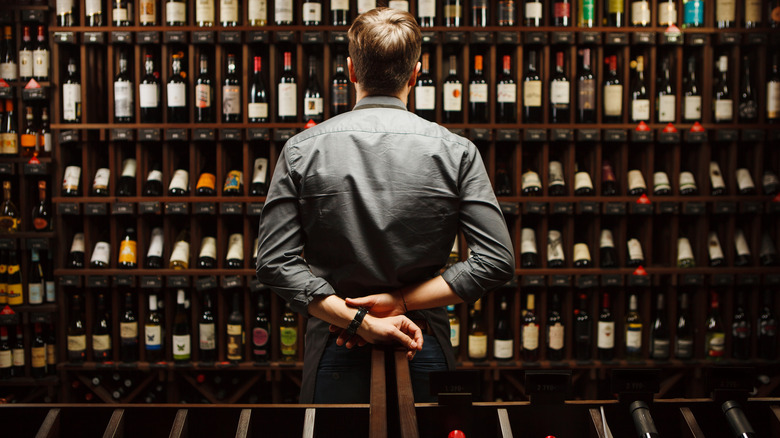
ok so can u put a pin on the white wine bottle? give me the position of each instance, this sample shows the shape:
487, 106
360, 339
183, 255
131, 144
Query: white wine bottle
180, 256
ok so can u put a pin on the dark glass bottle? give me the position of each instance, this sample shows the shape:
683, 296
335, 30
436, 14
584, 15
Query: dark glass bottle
607, 252
39, 367
124, 105
530, 331
773, 87
583, 330
606, 330
128, 256
666, 96
339, 88
235, 331
452, 111
425, 91
204, 92
715, 337
659, 334
101, 332
41, 214
503, 341
560, 98
231, 93
740, 328
613, 93
153, 185
532, 91
767, 328
261, 332
683, 346
177, 92
639, 94
128, 331
126, 184
586, 86
608, 180
478, 94
529, 258
555, 330
287, 92
207, 336
258, 97
182, 338
153, 334
154, 259
506, 94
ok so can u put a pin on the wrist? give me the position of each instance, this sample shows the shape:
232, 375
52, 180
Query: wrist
401, 304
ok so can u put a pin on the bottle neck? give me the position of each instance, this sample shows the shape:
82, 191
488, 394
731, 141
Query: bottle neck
149, 66
231, 65
176, 67
287, 61
258, 64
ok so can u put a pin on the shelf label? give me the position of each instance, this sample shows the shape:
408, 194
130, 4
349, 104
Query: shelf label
148, 37
692, 279
258, 36
124, 280
535, 135
535, 208
206, 283
747, 280
121, 134
507, 135
617, 38
34, 15
722, 280
693, 208
6, 93
588, 135
95, 37
148, 134
255, 208
509, 208
149, 207
668, 207
204, 134
42, 318
283, 134
430, 37
668, 137
560, 280
258, 134
750, 207
203, 37
562, 208
230, 134
285, 36
204, 208
536, 38
641, 136
645, 209
756, 39
563, 37
176, 134
635, 381
121, 37
95, 209
68, 208
724, 207
8, 244
70, 281
639, 280
590, 207
454, 37
481, 38
6, 168
480, 134
230, 37
123, 208
338, 37
231, 281
151, 282
586, 281
590, 38
753, 135
313, 37
615, 135
38, 243
508, 38
178, 281
772, 279
532, 280
175, 36
176, 208
65, 37
559, 134
69, 136
548, 386
255, 286
695, 137
695, 39
231, 208
36, 169
643, 38
728, 38
612, 280
726, 135
97, 281
34, 94
731, 379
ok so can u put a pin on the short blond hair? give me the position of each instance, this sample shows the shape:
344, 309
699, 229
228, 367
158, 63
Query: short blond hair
384, 45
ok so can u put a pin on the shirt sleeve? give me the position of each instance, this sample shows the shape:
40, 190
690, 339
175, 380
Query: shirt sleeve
492, 262
280, 264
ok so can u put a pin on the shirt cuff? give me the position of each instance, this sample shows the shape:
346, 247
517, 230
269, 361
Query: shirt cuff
317, 288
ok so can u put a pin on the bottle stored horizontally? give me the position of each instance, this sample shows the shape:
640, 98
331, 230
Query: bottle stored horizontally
126, 184
234, 183
743, 257
259, 177
76, 253
688, 184
529, 258
180, 256
180, 183
153, 185
643, 421
557, 184
582, 255
555, 255
531, 184
685, 257
101, 182
235, 253
154, 256
767, 327
768, 253
661, 184
176, 12
101, 254
636, 256
607, 252
207, 258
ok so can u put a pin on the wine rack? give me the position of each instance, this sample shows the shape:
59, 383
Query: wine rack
508, 149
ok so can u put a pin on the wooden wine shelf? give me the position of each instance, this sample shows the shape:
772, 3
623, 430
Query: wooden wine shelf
204, 366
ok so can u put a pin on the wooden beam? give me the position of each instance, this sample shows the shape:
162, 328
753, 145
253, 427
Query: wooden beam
377, 413
244, 424
180, 428
406, 410
504, 425
308, 423
50, 428
116, 425
693, 430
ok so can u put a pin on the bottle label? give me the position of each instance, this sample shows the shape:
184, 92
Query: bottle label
453, 11
313, 106
235, 247
289, 338
258, 110
773, 100
176, 12
78, 243
283, 11
531, 179
533, 11
259, 339
312, 12
101, 252
684, 251
101, 343
231, 99
206, 180
425, 98
128, 167
635, 250
692, 107
5, 359
532, 93
528, 242
204, 11
149, 95
660, 348
744, 180
606, 334
613, 100
202, 96
50, 290
38, 357
556, 173
340, 94
153, 336
530, 336
693, 12
640, 12
667, 105
740, 330
640, 110
25, 64
365, 5
588, 10
559, 92
257, 10
40, 63
29, 140
455, 334
148, 10
426, 8
94, 7
261, 170
101, 178
234, 341
128, 333
561, 10
724, 110
478, 93
180, 180
46, 142
77, 343
181, 252
401, 5
8, 70
633, 337
725, 11
687, 181
507, 93
51, 354
615, 6
587, 94
555, 336
554, 246
35, 293
181, 347
234, 180
228, 11
120, 14
716, 345
156, 246
767, 328
741, 244
177, 94
10, 146
581, 252
288, 94
636, 180
71, 100
477, 346
502, 348
18, 357
667, 13
206, 336
123, 99
684, 348
127, 252
64, 7
606, 240
208, 248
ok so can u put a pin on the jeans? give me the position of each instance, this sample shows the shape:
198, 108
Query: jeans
344, 375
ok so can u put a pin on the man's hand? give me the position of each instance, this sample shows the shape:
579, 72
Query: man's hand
392, 329
380, 305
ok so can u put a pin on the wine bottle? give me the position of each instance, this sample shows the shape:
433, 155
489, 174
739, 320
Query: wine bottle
3, 277
561, 12
607, 252
453, 13
101, 182
234, 183
235, 254
530, 331
128, 331
207, 258
38, 365
581, 255
532, 91
688, 184
633, 330
258, 100
8, 65
339, 88
261, 330
636, 183
101, 332
128, 258
502, 341
231, 93
768, 253
666, 97
153, 336
287, 92
10, 219
288, 334
149, 93
605, 343
480, 13
740, 328
555, 255
101, 255
608, 180
555, 330
177, 92
126, 184
506, 94
693, 13
767, 328
560, 99
76, 254
583, 329
613, 93
717, 184
741, 246
313, 102
477, 348
714, 338
586, 84
692, 102
528, 257
207, 338
667, 12
636, 256
207, 181
228, 12
685, 254
770, 183
154, 257
745, 182
531, 184
41, 57
18, 352
339, 12
659, 334
425, 91
204, 13
180, 256
235, 331
259, 175
283, 12
77, 333
147, 11
312, 13
204, 93
722, 102
725, 14
66, 13
25, 57
181, 341
773, 89
614, 14
35, 282
534, 12
503, 183
176, 12
640, 97
478, 94
426, 13
556, 186
29, 136
180, 183
14, 291
50, 292
454, 329
640, 13
9, 133
683, 348
71, 95
121, 12
748, 104
6, 359
123, 93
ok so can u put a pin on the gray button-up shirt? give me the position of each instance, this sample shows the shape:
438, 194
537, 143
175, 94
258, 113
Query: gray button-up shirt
370, 201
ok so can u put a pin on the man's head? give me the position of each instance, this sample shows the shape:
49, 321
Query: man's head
384, 46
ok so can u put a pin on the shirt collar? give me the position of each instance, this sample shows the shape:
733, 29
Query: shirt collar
380, 101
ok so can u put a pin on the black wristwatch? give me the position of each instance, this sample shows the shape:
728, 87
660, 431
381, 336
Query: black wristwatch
355, 324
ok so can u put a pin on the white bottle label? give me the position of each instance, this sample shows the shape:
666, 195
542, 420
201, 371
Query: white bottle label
452, 97
554, 245
667, 105
531, 179
684, 250
606, 240
365, 5
258, 10
312, 106
582, 180
231, 99
559, 92
725, 10
40, 63
101, 252
640, 12
455, 334
692, 107
153, 335
181, 252
687, 181
177, 12
424, 98
555, 334
752, 11
26, 64
228, 11
8, 71
636, 180
634, 337
339, 5
532, 93
716, 178
123, 99
71, 179
478, 93
206, 335
208, 248
613, 100
741, 244
744, 180
283, 11
5, 359
35, 293
667, 13
71, 98
533, 10
261, 169
64, 6
120, 14
713, 246
181, 346
101, 178
724, 110
640, 110
101, 342
477, 347
78, 243
177, 95
94, 7
635, 250
556, 173
401, 5
581, 252
507, 93
129, 167
258, 110
312, 12
128, 330
149, 95
502, 348
236, 247
773, 100
426, 8
530, 336
606, 335
156, 244
180, 180
528, 241
154, 175
287, 100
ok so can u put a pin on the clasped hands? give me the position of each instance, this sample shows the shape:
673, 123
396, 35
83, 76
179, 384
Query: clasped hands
385, 323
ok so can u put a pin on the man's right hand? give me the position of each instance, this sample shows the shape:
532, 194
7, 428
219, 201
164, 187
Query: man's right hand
392, 329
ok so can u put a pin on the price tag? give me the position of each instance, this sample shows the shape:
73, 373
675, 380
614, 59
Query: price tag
724, 207
231, 208
176, 208
693, 208
258, 134
11, 319
589, 207
230, 134
34, 15
121, 134
667, 207
612, 280
70, 281
588, 135
617, 39
756, 39
34, 94
147, 134
179, 134
563, 38
313, 38
480, 134
692, 280
509, 208
731, 380
6, 168
96, 37
532, 280
151, 282
590, 38
203, 37
68, 208
668, 137
563, 208
615, 135
69, 136
722, 280
753, 135
258, 36
96, 281
64, 37
560, 280
454, 37
149, 207
255, 286
175, 36
641, 136
639, 280
230, 282
121, 37
747, 280
645, 209
643, 38
729, 38
36, 169
586, 281
147, 37
229, 37
286, 36
562, 134
255, 208
695, 137
695, 39
283, 134
206, 283
430, 37
93, 209
203, 134
508, 38
124, 280
772, 279
635, 381
534, 38
481, 38
122, 208
548, 386
178, 281
535, 135
338, 37
41, 318
535, 208
8, 244
726, 135
507, 135
750, 207
6, 92
38, 243
205, 208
